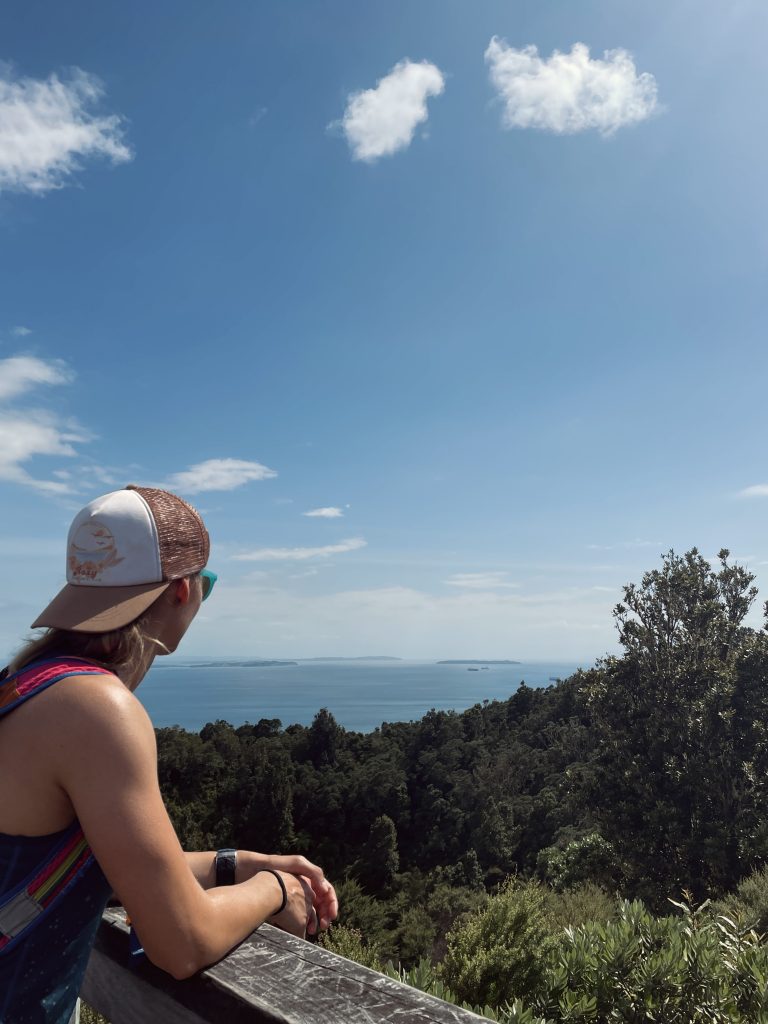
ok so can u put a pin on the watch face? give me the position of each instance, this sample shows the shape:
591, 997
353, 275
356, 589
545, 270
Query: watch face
226, 862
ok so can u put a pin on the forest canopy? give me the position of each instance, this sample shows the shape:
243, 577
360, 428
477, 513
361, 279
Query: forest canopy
643, 777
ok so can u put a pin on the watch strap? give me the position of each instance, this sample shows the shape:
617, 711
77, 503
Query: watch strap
226, 863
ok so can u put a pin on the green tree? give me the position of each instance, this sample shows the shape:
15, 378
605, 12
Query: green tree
323, 739
679, 776
380, 861
500, 953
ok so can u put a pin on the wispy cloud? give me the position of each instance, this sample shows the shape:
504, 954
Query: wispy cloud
480, 581
48, 127
21, 331
379, 122
34, 432
570, 92
29, 432
218, 475
19, 374
559, 623
325, 513
300, 554
755, 491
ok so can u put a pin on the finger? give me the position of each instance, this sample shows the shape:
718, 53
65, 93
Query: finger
312, 923
331, 905
295, 864
328, 911
314, 874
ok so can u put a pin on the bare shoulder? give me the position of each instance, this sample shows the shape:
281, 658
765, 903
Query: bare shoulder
87, 716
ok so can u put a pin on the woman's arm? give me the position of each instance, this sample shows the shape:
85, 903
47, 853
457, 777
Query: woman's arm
203, 867
104, 757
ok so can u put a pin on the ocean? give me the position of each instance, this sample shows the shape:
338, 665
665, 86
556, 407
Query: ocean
359, 694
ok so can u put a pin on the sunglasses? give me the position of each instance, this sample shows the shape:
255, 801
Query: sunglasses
208, 579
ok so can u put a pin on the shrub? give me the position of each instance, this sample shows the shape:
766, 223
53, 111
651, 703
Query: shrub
749, 903
586, 858
415, 935
425, 977
577, 906
349, 942
638, 968
499, 953
89, 1016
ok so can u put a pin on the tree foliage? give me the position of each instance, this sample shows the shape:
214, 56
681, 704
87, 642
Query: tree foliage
646, 775
500, 953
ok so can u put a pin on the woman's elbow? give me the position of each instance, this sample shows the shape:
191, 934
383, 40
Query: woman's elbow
181, 971
181, 963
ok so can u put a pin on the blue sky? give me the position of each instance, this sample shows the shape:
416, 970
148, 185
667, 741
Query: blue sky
504, 312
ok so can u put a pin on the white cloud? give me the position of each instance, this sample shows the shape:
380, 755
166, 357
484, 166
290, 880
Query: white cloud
26, 433
48, 127
325, 513
479, 580
569, 92
755, 491
21, 332
34, 432
559, 624
625, 544
218, 475
300, 554
379, 122
21, 373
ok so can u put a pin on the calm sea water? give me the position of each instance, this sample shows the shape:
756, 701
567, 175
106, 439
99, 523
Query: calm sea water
361, 695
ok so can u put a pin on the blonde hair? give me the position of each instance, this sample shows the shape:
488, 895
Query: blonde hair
117, 650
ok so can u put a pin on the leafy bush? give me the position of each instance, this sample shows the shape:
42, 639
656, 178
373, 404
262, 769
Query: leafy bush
589, 857
500, 953
577, 906
349, 942
749, 903
89, 1016
425, 977
638, 968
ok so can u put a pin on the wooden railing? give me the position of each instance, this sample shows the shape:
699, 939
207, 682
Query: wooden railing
271, 978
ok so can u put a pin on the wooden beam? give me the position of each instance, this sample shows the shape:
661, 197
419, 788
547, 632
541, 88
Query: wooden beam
271, 978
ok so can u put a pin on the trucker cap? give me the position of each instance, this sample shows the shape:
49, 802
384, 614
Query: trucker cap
123, 550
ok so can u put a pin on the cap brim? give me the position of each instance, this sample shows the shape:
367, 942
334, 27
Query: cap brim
98, 609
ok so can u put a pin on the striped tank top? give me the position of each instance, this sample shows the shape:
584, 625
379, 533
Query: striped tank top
52, 892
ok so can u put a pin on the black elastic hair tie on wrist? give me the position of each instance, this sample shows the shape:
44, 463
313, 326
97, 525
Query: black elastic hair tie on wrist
281, 883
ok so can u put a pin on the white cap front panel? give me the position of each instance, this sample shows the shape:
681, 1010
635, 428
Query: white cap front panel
113, 543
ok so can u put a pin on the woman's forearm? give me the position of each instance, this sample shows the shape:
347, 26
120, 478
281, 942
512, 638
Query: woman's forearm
232, 912
202, 864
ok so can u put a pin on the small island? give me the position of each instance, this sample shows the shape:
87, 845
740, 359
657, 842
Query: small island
241, 664
371, 657
476, 661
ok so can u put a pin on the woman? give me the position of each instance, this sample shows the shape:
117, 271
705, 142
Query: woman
81, 813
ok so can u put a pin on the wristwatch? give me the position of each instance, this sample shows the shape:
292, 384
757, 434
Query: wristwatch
226, 862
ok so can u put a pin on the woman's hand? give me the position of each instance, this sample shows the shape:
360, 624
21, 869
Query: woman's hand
298, 916
324, 902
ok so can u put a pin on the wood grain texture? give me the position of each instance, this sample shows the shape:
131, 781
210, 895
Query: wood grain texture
271, 978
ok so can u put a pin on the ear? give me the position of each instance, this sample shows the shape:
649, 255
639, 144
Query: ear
180, 591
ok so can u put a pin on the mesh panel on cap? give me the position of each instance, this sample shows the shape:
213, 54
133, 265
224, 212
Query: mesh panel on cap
184, 543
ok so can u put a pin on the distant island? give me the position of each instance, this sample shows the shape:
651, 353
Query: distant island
476, 661
240, 664
374, 657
